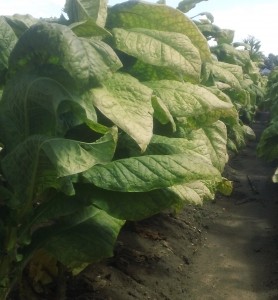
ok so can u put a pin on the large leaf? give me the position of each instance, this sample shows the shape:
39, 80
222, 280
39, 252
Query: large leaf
39, 162
126, 206
8, 40
231, 55
79, 239
38, 105
81, 10
165, 49
20, 23
192, 193
169, 145
162, 113
222, 72
137, 14
87, 62
191, 104
127, 102
268, 144
215, 137
140, 174
88, 29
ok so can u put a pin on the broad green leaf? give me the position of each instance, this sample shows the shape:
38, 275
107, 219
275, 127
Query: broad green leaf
37, 163
146, 72
191, 193
190, 104
187, 5
222, 72
141, 174
215, 137
72, 157
8, 40
268, 144
217, 92
128, 206
236, 136
229, 54
236, 70
127, 102
162, 113
79, 239
81, 10
86, 61
20, 23
137, 14
169, 145
159, 48
88, 29
210, 142
39, 105
249, 132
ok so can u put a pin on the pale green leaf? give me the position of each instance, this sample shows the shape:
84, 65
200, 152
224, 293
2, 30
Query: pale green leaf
196, 146
231, 55
222, 72
159, 48
191, 104
192, 193
236, 136
81, 10
8, 40
225, 187
215, 137
139, 174
249, 133
162, 113
127, 102
88, 29
137, 14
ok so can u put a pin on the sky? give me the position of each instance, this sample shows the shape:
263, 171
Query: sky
258, 18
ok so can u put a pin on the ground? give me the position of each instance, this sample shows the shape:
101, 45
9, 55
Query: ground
227, 249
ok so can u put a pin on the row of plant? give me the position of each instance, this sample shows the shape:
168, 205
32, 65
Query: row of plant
268, 145
113, 114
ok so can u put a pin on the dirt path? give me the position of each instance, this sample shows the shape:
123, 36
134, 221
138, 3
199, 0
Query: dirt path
226, 250
240, 257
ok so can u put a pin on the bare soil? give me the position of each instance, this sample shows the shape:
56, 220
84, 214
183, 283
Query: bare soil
225, 250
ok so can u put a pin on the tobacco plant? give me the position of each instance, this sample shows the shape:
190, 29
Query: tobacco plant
113, 114
268, 145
